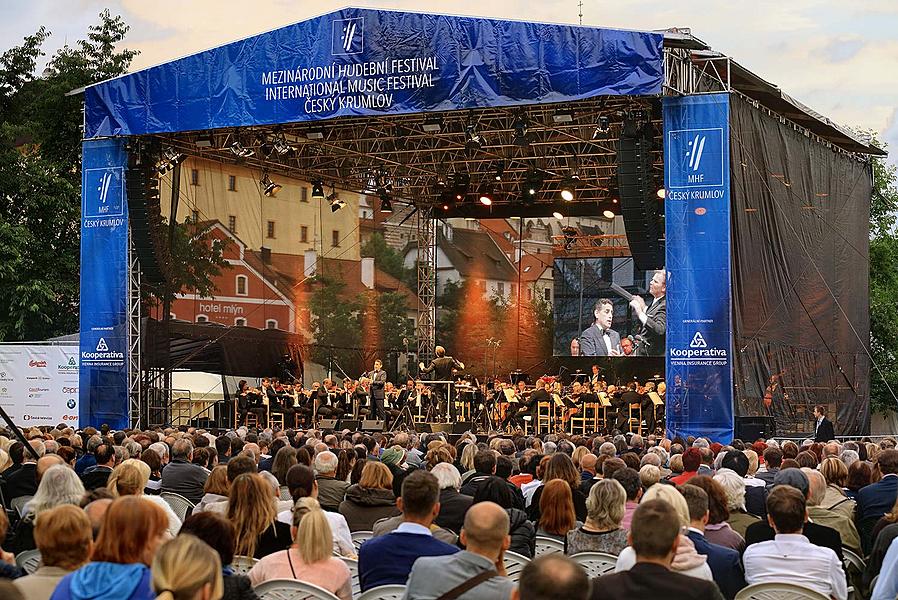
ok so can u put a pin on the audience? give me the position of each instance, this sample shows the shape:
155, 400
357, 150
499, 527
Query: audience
734, 487
629, 478
371, 499
717, 530
219, 534
560, 467
181, 476
602, 531
253, 511
876, 499
726, 567
64, 538
790, 557
453, 504
556, 506
186, 568
521, 530
829, 518
331, 490
130, 479
551, 577
301, 483
59, 485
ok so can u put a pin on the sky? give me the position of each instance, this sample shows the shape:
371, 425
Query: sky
839, 58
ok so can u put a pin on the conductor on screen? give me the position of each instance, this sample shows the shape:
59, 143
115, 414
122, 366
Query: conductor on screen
599, 339
653, 317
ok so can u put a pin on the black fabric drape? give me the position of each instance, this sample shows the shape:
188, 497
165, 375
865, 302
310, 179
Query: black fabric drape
800, 224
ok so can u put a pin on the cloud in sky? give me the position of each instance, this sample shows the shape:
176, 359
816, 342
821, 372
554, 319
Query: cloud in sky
838, 58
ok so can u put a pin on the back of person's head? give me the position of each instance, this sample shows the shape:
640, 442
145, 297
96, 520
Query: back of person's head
556, 507
131, 531
420, 494
671, 495
629, 478
553, 576
485, 462
376, 475
313, 536
611, 466
181, 449
104, 454
217, 482
794, 478
129, 478
649, 475
223, 445
606, 503
692, 458
773, 457
64, 537
562, 467
186, 568
504, 467
735, 461
655, 529
816, 486
887, 461
495, 490
696, 501
300, 481
486, 527
239, 465
213, 529
734, 487
325, 463
447, 476
45, 462
717, 498
60, 485
786, 509
251, 508
834, 471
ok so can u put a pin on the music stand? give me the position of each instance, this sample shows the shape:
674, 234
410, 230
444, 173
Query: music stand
579, 376
516, 376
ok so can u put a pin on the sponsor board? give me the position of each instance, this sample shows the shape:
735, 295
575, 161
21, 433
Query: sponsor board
39, 384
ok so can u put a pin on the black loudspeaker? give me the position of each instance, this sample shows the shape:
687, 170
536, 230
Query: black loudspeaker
373, 425
350, 424
462, 426
638, 192
145, 218
423, 428
327, 423
750, 429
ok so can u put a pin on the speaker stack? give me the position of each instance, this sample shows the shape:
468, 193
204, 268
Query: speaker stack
639, 202
145, 218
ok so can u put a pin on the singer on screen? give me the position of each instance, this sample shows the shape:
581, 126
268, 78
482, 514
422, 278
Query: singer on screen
599, 339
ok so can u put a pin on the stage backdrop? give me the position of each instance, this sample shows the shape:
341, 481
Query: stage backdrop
697, 208
39, 384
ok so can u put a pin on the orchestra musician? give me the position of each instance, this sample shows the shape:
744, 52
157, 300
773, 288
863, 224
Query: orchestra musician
516, 400
391, 394
529, 407
405, 393
331, 401
249, 400
378, 379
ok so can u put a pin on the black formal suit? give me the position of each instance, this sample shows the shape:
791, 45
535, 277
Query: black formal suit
819, 535
403, 397
23, 482
441, 367
652, 334
453, 507
96, 477
592, 342
378, 381
623, 412
824, 431
648, 580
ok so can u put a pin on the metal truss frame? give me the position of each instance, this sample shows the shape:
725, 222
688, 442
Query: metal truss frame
425, 265
135, 388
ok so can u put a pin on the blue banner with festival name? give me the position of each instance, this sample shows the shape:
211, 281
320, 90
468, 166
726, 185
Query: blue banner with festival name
697, 214
103, 380
359, 62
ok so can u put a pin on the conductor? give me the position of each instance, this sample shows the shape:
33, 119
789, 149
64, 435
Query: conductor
442, 367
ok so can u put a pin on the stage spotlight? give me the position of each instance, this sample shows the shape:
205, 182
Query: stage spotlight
614, 200
173, 156
386, 206
608, 214
432, 125
269, 188
532, 185
500, 171
336, 203
473, 140
563, 116
486, 196
521, 135
238, 150
567, 189
602, 128
280, 145
662, 193
461, 181
558, 215
570, 237
317, 190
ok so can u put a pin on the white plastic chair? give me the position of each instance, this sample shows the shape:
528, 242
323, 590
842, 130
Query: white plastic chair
383, 592
353, 565
778, 591
360, 537
29, 560
595, 564
290, 589
514, 564
181, 505
854, 571
242, 565
547, 545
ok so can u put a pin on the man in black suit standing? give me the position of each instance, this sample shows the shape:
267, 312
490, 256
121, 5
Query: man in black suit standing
378, 379
650, 337
823, 432
442, 367
599, 339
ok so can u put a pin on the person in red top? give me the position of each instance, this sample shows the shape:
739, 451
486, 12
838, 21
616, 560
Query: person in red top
692, 458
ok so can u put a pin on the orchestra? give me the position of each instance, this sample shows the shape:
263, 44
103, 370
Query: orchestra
549, 404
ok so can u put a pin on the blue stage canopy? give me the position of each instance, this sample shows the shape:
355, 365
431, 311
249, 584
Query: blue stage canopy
359, 62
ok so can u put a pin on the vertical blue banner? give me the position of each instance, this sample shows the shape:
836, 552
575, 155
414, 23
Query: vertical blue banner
103, 378
697, 209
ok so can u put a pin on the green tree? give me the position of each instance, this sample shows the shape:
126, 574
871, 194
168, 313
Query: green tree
335, 325
385, 258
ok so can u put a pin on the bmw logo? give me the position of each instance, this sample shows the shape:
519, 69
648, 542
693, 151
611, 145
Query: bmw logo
70, 403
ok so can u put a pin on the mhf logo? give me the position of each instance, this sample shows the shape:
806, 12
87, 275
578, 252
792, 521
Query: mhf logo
106, 192
348, 36
696, 158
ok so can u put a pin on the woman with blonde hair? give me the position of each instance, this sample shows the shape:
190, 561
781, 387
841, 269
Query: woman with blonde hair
602, 531
216, 488
371, 499
310, 558
579, 453
253, 511
686, 561
130, 479
186, 568
836, 474
466, 462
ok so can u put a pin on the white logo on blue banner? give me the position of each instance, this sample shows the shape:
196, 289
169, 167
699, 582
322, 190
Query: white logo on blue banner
698, 341
348, 36
697, 156
103, 192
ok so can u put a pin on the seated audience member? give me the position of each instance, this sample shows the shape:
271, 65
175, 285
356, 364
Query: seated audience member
522, 531
96, 512
186, 568
828, 518
485, 537
216, 488
453, 504
551, 577
629, 478
717, 530
59, 485
836, 475
371, 499
877, 499
692, 458
412, 539
819, 535
649, 475
23, 480
181, 476
64, 538
97, 476
687, 561
331, 491
310, 558
734, 487
236, 467
219, 533
654, 537
485, 467
755, 489
561, 467
253, 511
790, 557
602, 531
132, 531
8, 568
130, 479
556, 508
301, 484
860, 475
726, 567
773, 459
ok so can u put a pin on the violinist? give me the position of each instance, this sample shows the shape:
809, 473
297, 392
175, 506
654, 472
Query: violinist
331, 401
539, 394
249, 400
405, 393
516, 401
